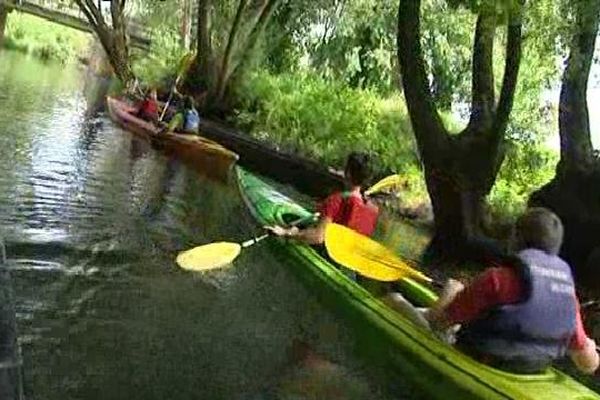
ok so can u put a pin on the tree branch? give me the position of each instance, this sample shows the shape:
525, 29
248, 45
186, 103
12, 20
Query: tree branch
482, 98
224, 72
260, 23
204, 41
427, 125
116, 12
511, 72
92, 12
576, 149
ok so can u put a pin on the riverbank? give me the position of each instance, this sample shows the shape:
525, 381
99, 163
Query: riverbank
46, 40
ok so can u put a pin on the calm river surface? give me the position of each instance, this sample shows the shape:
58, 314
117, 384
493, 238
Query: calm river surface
92, 218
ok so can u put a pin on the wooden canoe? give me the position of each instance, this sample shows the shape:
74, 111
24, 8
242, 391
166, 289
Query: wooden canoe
204, 155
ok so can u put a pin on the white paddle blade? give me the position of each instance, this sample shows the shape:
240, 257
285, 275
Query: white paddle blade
209, 256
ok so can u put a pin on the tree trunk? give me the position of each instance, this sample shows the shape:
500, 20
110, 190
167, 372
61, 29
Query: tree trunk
460, 170
186, 24
574, 192
231, 42
209, 78
201, 74
114, 40
3, 17
120, 42
576, 151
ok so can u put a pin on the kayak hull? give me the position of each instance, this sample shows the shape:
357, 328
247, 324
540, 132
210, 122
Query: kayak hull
411, 353
207, 157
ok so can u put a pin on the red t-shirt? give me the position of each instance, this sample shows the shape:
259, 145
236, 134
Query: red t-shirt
495, 287
149, 109
334, 209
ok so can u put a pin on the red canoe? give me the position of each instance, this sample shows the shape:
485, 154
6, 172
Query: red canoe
208, 157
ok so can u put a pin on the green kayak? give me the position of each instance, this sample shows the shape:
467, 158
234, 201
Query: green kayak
436, 368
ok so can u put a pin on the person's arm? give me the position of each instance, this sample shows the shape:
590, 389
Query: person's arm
312, 235
586, 359
315, 234
582, 349
436, 314
492, 287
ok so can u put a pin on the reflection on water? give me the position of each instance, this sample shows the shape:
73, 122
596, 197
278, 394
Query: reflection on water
92, 219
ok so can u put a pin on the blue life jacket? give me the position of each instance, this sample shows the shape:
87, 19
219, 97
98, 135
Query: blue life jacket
529, 335
191, 121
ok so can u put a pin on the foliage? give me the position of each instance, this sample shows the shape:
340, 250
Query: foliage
165, 54
326, 120
526, 168
49, 41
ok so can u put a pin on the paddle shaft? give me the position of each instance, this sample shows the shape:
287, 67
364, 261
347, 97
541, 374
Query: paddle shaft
173, 89
255, 240
166, 107
250, 242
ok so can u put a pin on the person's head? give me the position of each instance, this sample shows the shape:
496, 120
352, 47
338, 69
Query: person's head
539, 228
189, 103
357, 171
152, 94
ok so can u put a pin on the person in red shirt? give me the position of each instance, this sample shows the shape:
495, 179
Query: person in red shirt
349, 208
148, 109
523, 314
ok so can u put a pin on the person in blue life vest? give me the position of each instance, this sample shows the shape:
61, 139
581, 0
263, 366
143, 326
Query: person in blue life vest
349, 207
524, 314
187, 120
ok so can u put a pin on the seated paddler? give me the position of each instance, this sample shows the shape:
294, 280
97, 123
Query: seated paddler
521, 315
349, 207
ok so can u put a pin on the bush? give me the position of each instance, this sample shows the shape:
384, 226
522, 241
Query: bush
325, 120
526, 168
47, 40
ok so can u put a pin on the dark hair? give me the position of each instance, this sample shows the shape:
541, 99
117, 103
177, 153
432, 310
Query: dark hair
357, 168
189, 102
539, 228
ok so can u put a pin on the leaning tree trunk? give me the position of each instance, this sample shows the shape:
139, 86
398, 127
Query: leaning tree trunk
3, 17
460, 170
114, 39
574, 192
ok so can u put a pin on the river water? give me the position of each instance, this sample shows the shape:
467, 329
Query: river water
92, 218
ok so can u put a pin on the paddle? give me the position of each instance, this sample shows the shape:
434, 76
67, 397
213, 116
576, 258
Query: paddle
219, 254
368, 257
388, 182
184, 64
166, 107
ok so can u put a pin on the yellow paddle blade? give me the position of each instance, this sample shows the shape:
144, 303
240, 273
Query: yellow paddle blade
209, 256
385, 183
366, 256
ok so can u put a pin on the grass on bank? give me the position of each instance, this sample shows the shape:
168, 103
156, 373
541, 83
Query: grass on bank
44, 39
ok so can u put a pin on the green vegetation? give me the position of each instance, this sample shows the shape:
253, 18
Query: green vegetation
325, 120
324, 80
162, 60
49, 41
